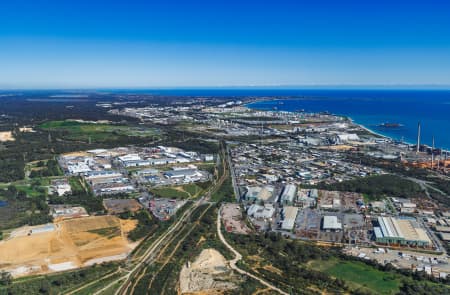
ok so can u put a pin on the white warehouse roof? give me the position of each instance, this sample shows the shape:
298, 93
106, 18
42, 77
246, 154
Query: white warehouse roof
331, 222
290, 214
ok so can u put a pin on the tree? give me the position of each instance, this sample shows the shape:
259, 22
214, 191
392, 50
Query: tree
5, 278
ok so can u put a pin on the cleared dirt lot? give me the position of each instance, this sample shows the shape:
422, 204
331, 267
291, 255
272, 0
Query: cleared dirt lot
70, 244
208, 274
233, 220
6, 136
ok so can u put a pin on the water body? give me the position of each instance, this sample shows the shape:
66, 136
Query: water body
366, 107
369, 108
372, 108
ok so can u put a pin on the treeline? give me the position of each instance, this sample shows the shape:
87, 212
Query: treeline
422, 288
79, 197
11, 166
190, 142
22, 209
48, 168
392, 166
415, 172
57, 283
146, 224
290, 257
377, 187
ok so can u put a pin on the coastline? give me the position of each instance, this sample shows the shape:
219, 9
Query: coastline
247, 105
374, 133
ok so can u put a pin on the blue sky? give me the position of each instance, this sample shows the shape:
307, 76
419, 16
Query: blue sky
72, 44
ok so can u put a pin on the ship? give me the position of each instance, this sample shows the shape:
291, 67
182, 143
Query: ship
390, 125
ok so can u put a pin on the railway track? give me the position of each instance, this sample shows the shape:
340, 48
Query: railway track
160, 245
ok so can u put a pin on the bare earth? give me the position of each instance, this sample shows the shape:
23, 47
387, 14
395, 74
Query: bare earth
6, 136
208, 274
71, 244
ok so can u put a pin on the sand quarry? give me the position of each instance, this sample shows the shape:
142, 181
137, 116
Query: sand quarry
65, 245
6, 136
208, 274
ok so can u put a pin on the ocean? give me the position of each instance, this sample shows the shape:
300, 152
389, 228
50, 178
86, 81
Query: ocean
369, 108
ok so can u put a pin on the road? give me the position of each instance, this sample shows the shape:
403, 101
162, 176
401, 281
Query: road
425, 186
159, 246
150, 252
233, 175
238, 256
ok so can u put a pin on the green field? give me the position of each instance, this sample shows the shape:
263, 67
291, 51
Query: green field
359, 275
96, 132
192, 189
169, 192
75, 184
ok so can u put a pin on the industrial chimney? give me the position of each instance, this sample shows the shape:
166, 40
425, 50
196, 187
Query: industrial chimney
418, 137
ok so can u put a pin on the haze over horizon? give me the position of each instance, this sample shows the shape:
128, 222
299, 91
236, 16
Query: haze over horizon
113, 44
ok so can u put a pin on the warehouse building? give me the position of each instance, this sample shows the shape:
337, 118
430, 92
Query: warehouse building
289, 194
331, 223
182, 173
289, 215
259, 193
261, 212
404, 232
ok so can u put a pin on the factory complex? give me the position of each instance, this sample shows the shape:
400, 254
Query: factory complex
395, 231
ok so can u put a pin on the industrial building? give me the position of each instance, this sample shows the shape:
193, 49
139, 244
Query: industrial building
259, 193
185, 173
289, 194
346, 137
61, 187
102, 174
331, 223
289, 214
401, 232
260, 212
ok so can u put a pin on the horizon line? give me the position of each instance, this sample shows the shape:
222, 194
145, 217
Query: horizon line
244, 87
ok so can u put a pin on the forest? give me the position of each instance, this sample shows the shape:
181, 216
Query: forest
378, 186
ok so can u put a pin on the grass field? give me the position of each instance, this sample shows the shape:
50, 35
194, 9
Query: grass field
359, 275
75, 184
178, 192
170, 192
192, 189
73, 130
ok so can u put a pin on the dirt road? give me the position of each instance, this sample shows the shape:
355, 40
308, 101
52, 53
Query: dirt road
238, 257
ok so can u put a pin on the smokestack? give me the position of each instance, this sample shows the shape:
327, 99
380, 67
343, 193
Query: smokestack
432, 155
418, 137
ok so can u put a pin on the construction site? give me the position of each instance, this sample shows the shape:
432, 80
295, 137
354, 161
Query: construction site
65, 245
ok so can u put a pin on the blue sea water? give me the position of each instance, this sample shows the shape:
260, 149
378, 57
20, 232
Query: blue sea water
366, 107
371, 108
